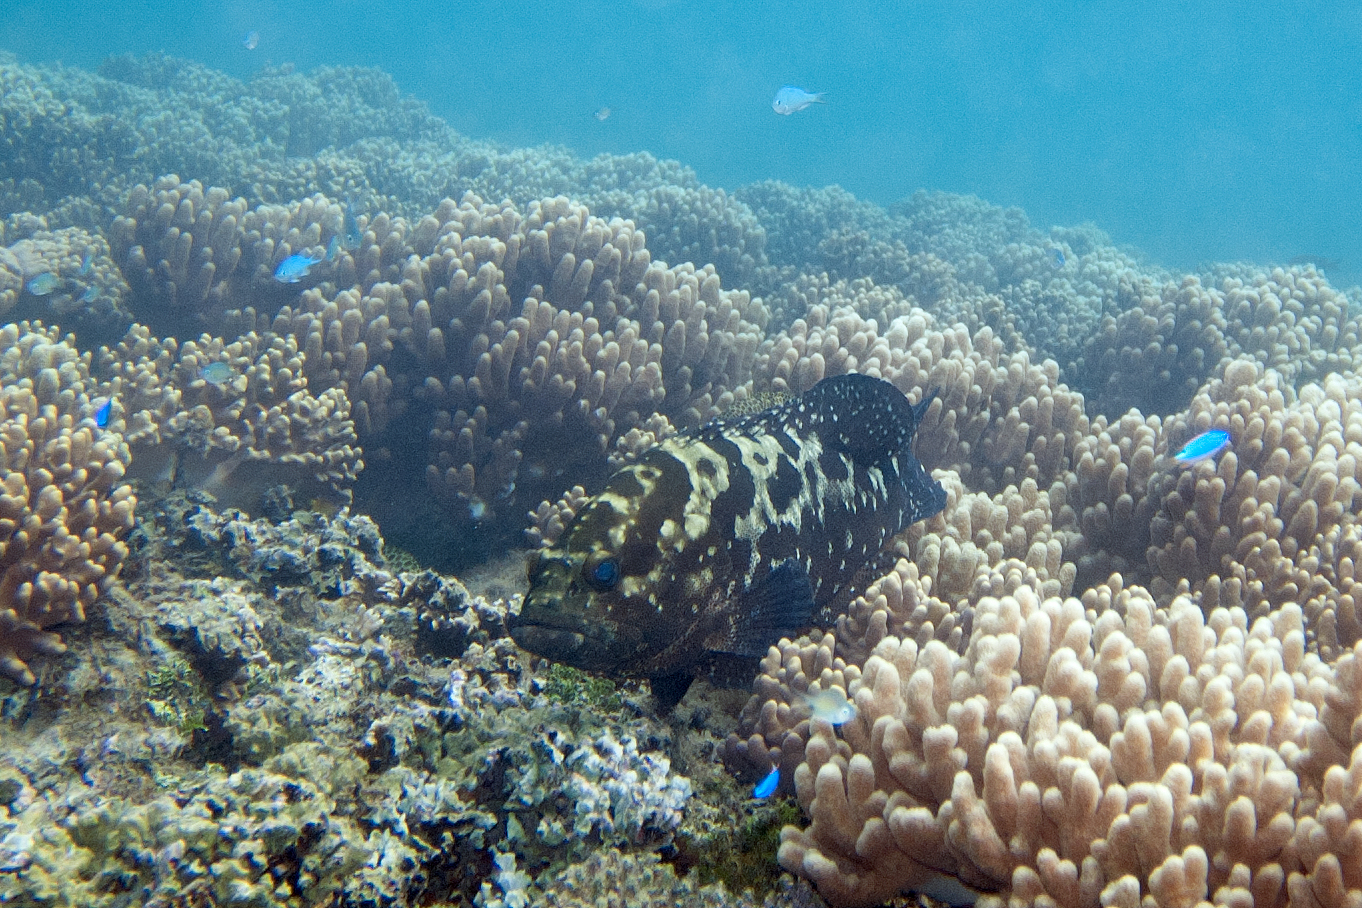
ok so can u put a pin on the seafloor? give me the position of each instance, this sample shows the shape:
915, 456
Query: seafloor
236, 667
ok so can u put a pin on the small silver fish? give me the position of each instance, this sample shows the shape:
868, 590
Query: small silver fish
351, 224
1056, 257
294, 268
43, 284
251, 41
831, 705
791, 99
603, 114
217, 373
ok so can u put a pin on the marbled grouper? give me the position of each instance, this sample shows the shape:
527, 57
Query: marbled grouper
722, 539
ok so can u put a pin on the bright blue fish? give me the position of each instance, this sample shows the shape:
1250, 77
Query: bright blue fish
251, 41
294, 268
1204, 446
102, 414
790, 99
767, 786
43, 284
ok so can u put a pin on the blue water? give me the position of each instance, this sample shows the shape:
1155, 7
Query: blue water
1194, 131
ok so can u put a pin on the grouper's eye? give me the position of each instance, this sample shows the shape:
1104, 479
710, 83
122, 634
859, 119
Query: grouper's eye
601, 571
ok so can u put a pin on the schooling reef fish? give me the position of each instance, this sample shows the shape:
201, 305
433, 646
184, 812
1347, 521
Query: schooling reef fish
722, 539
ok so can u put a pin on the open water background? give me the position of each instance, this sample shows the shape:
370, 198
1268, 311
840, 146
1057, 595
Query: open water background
1195, 131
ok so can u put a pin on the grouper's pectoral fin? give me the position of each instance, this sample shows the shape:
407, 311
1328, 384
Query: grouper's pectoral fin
669, 689
779, 605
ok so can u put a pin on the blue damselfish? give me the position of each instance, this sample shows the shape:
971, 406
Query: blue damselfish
1204, 446
767, 786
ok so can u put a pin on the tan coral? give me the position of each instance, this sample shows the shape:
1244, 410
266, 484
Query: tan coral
548, 521
1292, 321
271, 233
178, 243
86, 284
1108, 496
1157, 351
231, 419
11, 280
552, 320
64, 508
1252, 528
977, 547
1105, 751
1163, 345
998, 419
630, 446
208, 262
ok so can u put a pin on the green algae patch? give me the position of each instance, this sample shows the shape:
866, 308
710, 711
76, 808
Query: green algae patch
177, 696
744, 858
573, 687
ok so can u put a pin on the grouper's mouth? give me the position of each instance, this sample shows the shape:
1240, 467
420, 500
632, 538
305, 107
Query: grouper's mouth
596, 646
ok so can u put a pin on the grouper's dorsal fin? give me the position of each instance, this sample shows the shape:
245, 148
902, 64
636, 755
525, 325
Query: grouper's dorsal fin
866, 418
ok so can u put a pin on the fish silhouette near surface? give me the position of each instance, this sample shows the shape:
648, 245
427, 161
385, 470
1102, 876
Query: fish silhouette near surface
722, 539
791, 100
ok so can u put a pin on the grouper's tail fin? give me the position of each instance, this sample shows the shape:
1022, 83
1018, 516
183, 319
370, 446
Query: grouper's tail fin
920, 408
926, 497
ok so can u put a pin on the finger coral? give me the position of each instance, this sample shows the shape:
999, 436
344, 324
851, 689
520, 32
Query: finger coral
998, 418
1103, 751
231, 419
501, 322
64, 508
